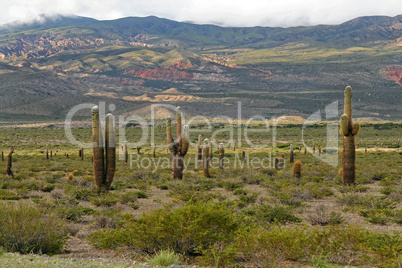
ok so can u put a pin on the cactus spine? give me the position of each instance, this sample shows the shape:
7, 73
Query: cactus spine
348, 130
179, 147
221, 155
104, 151
205, 158
10, 162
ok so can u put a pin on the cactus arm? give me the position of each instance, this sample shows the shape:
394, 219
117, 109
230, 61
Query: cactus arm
178, 130
205, 157
185, 140
348, 102
110, 144
169, 134
355, 128
97, 148
344, 129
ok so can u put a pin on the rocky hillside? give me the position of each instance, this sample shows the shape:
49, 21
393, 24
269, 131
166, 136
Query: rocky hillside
47, 68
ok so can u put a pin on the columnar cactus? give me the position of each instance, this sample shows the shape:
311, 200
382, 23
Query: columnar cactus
154, 151
211, 150
104, 150
348, 130
2, 156
179, 147
291, 156
319, 150
199, 148
47, 152
125, 152
10, 162
205, 157
281, 161
297, 168
221, 155
313, 147
82, 152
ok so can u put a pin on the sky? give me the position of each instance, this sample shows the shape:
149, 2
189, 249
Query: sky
283, 13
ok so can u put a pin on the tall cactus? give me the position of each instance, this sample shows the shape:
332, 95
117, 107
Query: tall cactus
291, 154
179, 147
10, 162
104, 151
205, 158
348, 130
199, 148
221, 155
125, 152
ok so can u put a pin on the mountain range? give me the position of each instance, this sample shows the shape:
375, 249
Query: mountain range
50, 66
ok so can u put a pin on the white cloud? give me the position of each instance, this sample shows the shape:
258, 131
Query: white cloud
226, 12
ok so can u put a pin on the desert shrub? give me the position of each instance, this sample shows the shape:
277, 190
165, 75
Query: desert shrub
26, 228
82, 193
353, 188
7, 195
105, 200
186, 230
321, 216
128, 197
232, 185
267, 214
73, 213
366, 201
345, 245
248, 198
321, 192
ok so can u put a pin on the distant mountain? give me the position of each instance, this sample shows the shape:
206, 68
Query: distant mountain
131, 61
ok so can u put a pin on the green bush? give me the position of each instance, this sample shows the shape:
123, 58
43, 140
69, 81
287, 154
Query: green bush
7, 195
268, 214
345, 245
186, 230
105, 200
26, 228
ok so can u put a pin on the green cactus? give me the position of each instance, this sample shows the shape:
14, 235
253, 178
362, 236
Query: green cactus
199, 148
81, 154
104, 151
348, 130
125, 152
211, 150
221, 155
291, 154
179, 147
10, 162
205, 158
